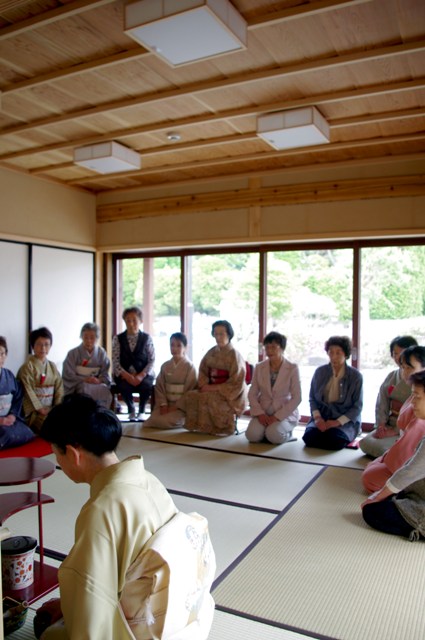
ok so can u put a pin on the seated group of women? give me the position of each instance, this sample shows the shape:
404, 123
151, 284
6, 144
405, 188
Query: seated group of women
395, 478
211, 403
208, 402
26, 400
335, 402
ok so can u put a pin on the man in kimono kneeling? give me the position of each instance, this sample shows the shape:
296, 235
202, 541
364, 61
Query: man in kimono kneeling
114, 582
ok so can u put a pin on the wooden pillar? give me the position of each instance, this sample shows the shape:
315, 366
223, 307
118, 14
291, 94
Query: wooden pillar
148, 286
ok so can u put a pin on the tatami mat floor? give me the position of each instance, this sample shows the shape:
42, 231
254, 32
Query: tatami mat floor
295, 451
285, 524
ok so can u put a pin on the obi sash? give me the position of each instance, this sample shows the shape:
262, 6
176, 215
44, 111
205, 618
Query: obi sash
45, 395
87, 371
167, 587
218, 376
5, 404
174, 391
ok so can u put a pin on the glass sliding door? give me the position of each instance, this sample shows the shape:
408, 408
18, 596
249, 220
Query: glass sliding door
309, 298
154, 284
392, 304
166, 304
130, 281
368, 291
223, 286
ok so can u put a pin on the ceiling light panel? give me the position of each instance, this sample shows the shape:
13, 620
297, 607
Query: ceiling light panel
303, 127
186, 30
107, 157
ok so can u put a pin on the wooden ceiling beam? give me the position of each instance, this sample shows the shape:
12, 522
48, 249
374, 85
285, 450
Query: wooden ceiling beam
388, 186
100, 63
212, 85
122, 134
53, 15
6, 5
79, 6
256, 173
403, 114
91, 65
258, 157
305, 169
301, 11
185, 146
236, 139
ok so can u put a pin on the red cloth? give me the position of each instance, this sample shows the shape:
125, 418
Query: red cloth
37, 448
218, 376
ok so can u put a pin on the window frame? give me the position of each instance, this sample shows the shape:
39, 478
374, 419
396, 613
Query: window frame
263, 249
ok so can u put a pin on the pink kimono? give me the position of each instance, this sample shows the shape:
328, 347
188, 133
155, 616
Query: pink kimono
376, 474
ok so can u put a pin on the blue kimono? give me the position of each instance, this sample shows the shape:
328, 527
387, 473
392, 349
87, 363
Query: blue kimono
11, 404
348, 407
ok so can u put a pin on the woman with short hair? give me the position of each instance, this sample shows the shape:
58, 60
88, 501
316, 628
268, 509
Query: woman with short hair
133, 357
86, 368
274, 394
336, 399
42, 382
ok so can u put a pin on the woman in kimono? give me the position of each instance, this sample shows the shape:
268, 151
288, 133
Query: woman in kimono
176, 378
274, 395
221, 394
13, 430
86, 368
393, 392
336, 399
398, 507
412, 429
42, 382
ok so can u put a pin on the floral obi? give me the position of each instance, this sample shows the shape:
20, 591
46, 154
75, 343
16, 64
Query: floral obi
218, 376
45, 395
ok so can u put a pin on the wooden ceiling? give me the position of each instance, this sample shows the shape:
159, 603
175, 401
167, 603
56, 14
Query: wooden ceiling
70, 76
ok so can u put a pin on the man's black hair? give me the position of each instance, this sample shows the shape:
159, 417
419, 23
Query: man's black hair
82, 422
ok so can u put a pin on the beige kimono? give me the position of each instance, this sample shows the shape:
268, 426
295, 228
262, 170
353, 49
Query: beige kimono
171, 387
214, 412
139, 569
43, 387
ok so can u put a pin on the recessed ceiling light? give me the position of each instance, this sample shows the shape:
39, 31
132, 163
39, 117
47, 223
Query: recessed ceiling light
173, 136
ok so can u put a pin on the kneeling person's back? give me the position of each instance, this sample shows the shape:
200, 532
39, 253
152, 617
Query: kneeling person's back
102, 594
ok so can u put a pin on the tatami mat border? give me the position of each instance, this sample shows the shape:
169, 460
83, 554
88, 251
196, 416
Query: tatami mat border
241, 453
272, 623
265, 531
228, 503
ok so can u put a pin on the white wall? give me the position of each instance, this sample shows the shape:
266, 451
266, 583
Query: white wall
47, 255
